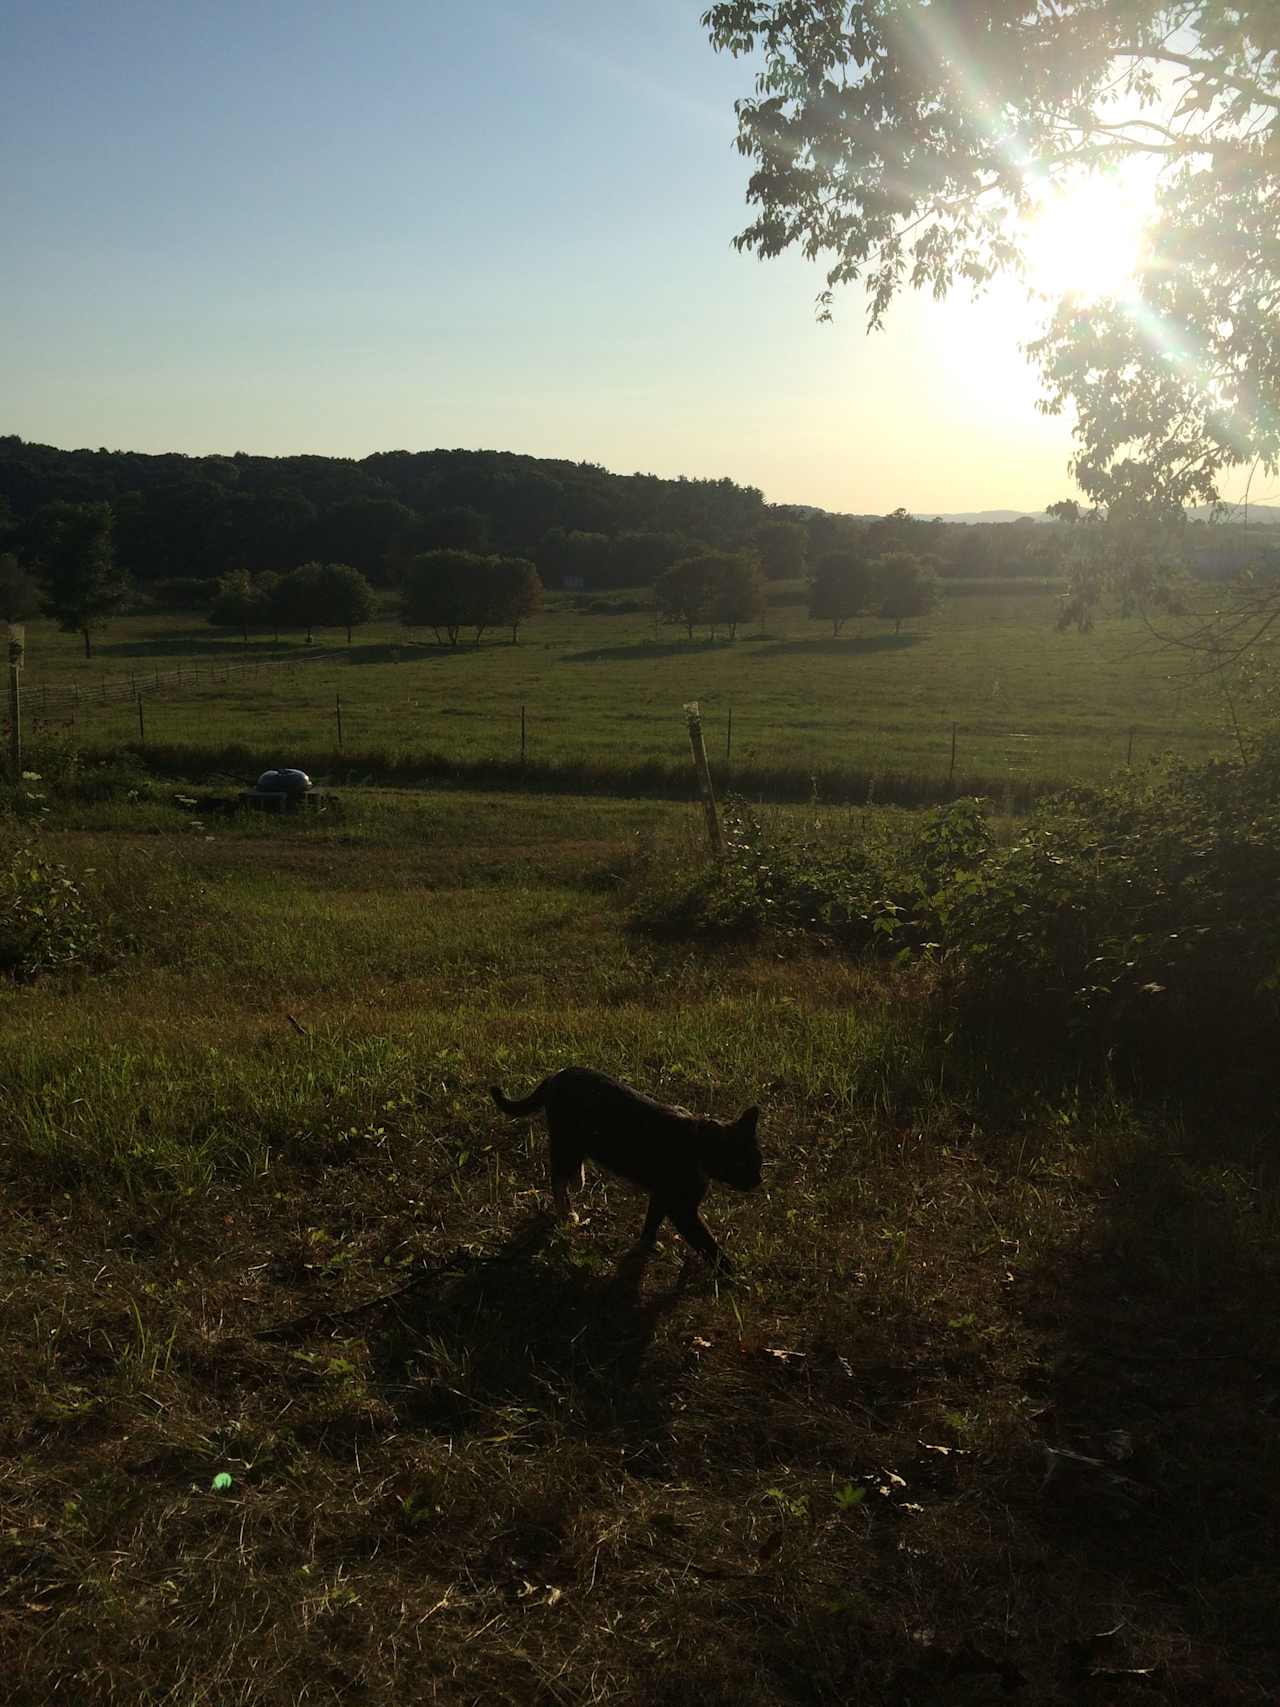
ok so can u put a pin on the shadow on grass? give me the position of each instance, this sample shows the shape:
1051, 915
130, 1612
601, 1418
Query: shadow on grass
406, 652
197, 647
1160, 1395
839, 646
641, 650
532, 1319
224, 648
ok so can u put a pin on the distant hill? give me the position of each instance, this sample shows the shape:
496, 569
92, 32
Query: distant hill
979, 515
1264, 515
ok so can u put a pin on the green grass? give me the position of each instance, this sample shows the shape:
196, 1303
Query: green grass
603, 694
539, 1476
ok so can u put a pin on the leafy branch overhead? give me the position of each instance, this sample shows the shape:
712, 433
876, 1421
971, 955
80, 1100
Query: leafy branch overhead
903, 141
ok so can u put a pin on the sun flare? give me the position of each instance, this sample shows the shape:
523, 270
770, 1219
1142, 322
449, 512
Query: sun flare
1087, 240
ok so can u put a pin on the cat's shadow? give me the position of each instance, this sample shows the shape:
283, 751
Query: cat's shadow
533, 1318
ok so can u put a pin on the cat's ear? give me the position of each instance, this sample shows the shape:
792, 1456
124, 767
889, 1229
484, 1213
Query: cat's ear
746, 1121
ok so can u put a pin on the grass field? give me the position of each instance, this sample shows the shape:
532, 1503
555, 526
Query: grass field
604, 694
990, 1415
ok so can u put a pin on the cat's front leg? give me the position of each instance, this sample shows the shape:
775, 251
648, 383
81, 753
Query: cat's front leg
694, 1228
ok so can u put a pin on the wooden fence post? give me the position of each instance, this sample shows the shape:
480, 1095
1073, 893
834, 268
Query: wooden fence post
728, 739
338, 709
703, 770
17, 643
524, 748
142, 730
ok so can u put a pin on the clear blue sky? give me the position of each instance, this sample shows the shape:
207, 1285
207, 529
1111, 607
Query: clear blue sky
343, 228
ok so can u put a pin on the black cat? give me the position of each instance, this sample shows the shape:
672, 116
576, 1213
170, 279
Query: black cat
669, 1151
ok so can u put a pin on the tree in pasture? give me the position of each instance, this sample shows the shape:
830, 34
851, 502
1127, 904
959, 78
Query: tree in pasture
905, 586
19, 594
902, 141
239, 603
737, 591
842, 586
782, 548
268, 588
83, 587
514, 592
442, 591
292, 601
344, 598
321, 595
686, 592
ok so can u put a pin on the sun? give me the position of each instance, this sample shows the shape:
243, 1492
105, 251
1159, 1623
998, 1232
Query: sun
1087, 240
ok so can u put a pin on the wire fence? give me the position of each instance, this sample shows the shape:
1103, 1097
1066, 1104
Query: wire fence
122, 686
968, 753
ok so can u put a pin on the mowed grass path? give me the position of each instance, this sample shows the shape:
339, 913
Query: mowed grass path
1030, 703
539, 1475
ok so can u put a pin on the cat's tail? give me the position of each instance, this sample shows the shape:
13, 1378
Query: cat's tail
522, 1105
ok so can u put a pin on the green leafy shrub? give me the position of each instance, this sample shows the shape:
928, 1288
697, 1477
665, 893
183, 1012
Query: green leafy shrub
873, 896
46, 924
25, 798
1149, 906
120, 776
55, 917
60, 771
1144, 912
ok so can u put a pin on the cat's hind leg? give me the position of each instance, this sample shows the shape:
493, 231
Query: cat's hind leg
652, 1221
567, 1165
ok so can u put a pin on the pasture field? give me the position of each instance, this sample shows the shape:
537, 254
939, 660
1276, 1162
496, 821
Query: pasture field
602, 695
989, 1415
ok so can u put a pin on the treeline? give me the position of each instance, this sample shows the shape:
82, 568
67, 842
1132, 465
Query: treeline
971, 550
179, 523
85, 535
179, 518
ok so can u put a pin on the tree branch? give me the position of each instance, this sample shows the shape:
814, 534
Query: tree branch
1204, 68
